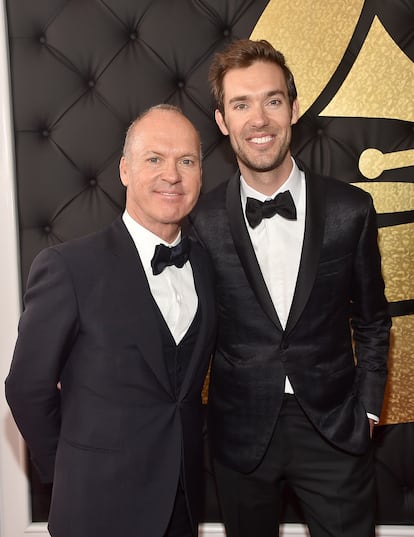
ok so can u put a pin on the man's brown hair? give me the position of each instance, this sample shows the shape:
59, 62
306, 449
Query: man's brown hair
243, 53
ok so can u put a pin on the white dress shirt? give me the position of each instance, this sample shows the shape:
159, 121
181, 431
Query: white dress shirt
277, 243
173, 290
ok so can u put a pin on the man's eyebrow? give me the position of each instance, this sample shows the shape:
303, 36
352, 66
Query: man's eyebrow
160, 153
270, 93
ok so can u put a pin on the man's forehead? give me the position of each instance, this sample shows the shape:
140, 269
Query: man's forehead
244, 81
164, 121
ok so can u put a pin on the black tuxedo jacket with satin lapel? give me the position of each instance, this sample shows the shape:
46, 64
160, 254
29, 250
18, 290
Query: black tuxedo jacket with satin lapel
339, 279
115, 438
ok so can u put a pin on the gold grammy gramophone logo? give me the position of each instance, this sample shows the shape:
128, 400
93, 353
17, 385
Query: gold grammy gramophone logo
376, 83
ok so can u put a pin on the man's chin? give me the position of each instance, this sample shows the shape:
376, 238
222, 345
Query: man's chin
263, 163
262, 167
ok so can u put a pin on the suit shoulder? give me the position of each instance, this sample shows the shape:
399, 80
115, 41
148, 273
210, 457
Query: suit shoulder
84, 248
340, 190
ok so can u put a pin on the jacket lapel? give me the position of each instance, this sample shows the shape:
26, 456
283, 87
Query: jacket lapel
312, 242
206, 307
139, 300
245, 249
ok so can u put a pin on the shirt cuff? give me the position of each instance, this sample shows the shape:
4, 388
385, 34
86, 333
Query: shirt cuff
373, 417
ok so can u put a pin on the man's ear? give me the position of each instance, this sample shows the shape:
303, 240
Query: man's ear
123, 171
295, 112
220, 122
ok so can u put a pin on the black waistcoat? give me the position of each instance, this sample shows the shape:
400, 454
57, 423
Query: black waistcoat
177, 357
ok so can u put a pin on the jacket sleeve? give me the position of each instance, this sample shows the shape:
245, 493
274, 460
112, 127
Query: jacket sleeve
370, 321
46, 332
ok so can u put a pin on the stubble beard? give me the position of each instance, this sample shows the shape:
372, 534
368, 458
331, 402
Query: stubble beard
266, 164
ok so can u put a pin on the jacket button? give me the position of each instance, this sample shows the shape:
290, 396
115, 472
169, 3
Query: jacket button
284, 345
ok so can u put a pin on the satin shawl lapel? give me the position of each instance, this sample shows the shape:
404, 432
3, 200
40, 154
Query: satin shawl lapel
245, 249
312, 243
139, 301
206, 308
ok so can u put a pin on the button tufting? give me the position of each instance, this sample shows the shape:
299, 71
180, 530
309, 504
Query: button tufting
45, 133
226, 32
47, 229
42, 39
133, 36
92, 181
180, 84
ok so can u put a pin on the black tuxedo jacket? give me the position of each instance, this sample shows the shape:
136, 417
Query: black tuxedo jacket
339, 283
115, 438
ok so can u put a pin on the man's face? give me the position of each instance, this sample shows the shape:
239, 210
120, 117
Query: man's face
258, 117
162, 172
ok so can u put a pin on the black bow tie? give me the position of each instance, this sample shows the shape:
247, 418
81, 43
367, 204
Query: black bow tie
283, 204
165, 256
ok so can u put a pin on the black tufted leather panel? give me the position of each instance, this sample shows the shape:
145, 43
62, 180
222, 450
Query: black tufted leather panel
81, 70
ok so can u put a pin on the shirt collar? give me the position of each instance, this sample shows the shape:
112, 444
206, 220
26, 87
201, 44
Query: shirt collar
145, 241
292, 183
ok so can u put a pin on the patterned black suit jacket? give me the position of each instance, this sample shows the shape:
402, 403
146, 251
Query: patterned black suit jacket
339, 292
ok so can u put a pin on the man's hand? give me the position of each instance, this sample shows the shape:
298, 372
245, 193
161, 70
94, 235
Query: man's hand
371, 426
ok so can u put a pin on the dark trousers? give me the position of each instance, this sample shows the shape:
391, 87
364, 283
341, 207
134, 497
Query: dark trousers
180, 525
334, 488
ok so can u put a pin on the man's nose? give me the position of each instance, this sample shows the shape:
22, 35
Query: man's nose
171, 172
259, 116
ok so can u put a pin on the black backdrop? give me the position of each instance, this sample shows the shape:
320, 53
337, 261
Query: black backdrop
81, 70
